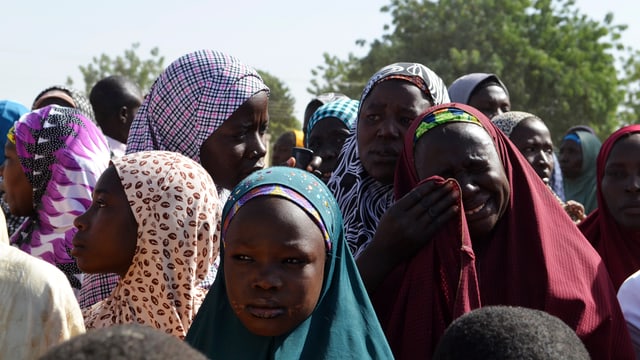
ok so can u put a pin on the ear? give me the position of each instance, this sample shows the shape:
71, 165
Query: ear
122, 114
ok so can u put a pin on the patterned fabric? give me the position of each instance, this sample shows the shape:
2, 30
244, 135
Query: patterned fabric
175, 204
343, 324
283, 192
442, 116
345, 110
461, 89
80, 101
95, 288
10, 112
190, 100
583, 188
39, 309
62, 154
509, 120
362, 199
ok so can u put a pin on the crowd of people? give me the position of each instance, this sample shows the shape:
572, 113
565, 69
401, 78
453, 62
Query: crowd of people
430, 221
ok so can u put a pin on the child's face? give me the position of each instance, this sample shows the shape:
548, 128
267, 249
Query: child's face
274, 259
107, 232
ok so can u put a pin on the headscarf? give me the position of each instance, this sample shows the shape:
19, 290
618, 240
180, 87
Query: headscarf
461, 89
10, 112
190, 100
535, 258
343, 324
62, 154
346, 110
175, 204
70, 95
618, 247
583, 188
39, 309
362, 199
507, 122
628, 298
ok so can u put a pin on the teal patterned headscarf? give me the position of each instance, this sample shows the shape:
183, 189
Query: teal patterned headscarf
343, 324
345, 110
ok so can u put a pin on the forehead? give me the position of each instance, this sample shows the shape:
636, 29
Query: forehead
109, 181
491, 92
625, 149
454, 142
531, 127
327, 125
394, 91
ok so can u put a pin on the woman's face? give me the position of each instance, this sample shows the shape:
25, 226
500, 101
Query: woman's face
570, 158
107, 232
466, 153
326, 140
491, 101
532, 137
18, 189
237, 148
274, 268
621, 182
384, 117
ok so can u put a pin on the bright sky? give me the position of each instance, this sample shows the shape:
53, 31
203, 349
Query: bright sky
45, 42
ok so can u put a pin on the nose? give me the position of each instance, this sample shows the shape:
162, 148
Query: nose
267, 278
543, 158
633, 185
388, 128
256, 147
80, 223
468, 187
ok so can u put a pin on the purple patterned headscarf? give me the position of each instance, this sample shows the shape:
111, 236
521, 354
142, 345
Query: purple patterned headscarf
190, 100
63, 154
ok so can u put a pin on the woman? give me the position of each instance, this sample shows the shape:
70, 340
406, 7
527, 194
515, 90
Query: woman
504, 241
54, 157
485, 92
64, 96
614, 227
10, 112
363, 180
532, 137
153, 222
578, 152
327, 131
288, 287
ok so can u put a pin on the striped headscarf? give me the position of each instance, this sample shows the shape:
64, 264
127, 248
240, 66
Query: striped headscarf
62, 154
362, 199
190, 100
346, 110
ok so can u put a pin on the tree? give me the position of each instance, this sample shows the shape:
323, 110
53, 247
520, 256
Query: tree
130, 65
281, 107
556, 62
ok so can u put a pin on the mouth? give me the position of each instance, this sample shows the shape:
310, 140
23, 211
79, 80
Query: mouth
478, 208
264, 311
385, 155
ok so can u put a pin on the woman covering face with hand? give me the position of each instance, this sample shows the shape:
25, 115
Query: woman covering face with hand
153, 222
288, 287
508, 243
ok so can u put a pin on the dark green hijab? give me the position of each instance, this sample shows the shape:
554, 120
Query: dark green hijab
343, 324
583, 188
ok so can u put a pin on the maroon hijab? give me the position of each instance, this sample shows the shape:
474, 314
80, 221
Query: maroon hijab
619, 248
537, 258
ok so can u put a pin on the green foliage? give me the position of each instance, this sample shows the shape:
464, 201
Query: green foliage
130, 65
556, 62
281, 106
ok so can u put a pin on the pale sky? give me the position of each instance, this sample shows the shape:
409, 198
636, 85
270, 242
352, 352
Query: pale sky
44, 42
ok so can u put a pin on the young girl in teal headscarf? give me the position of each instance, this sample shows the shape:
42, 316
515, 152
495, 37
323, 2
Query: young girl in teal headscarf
578, 153
306, 298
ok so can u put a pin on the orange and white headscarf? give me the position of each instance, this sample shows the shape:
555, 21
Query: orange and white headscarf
175, 204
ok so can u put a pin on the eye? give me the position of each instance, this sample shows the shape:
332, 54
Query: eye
242, 258
263, 128
294, 261
372, 118
405, 120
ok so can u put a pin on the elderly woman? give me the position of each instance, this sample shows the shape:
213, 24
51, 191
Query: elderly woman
614, 227
504, 241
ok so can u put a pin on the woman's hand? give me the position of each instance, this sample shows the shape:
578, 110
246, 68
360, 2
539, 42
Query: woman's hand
406, 227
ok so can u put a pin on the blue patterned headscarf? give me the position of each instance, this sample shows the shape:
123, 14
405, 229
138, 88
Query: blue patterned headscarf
345, 110
343, 323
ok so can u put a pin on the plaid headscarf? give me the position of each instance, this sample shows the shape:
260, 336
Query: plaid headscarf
62, 154
345, 110
190, 100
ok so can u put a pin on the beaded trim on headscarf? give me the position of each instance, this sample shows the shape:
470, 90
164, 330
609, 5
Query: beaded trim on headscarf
11, 135
284, 192
442, 116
